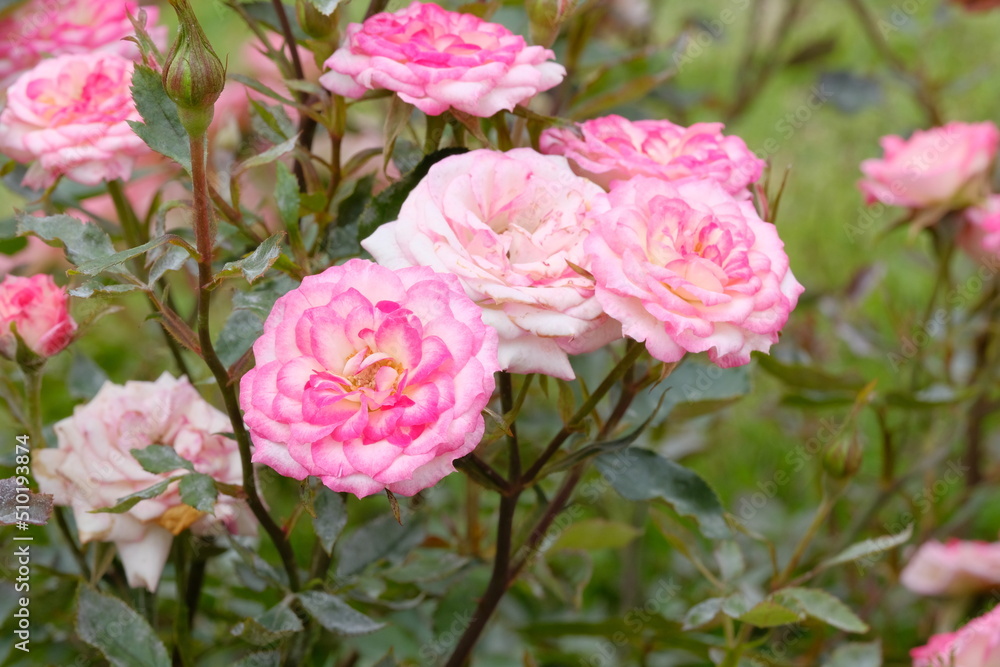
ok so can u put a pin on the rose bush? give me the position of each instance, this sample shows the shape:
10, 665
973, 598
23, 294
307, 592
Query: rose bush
93, 467
69, 117
511, 226
438, 60
37, 310
685, 267
613, 148
370, 379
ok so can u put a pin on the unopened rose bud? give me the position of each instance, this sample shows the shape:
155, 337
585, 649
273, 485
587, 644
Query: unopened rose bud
546, 16
843, 457
315, 23
193, 75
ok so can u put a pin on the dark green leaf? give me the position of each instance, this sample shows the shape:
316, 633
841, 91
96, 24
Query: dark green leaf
336, 615
126, 503
342, 236
198, 491
806, 377
162, 129
380, 538
161, 458
385, 207
824, 607
83, 242
256, 264
241, 329
273, 625
112, 263
270, 121
117, 631
331, 517
639, 474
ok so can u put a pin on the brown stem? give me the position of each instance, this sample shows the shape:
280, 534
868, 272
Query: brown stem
205, 239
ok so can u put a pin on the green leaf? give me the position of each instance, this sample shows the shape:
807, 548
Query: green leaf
83, 242
639, 474
868, 654
385, 207
769, 613
824, 607
261, 88
593, 534
336, 615
702, 613
112, 262
730, 559
273, 625
162, 130
93, 288
171, 260
270, 121
868, 548
287, 196
117, 631
270, 155
380, 538
161, 458
126, 503
256, 264
198, 490
241, 330
698, 387
261, 659
330, 519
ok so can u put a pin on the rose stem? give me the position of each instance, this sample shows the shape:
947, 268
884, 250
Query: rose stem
205, 242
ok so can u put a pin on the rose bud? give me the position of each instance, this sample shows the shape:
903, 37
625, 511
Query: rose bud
193, 75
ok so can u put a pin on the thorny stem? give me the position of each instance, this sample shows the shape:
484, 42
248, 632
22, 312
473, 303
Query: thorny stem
205, 242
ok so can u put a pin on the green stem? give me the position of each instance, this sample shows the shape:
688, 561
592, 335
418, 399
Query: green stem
131, 227
204, 236
182, 628
33, 404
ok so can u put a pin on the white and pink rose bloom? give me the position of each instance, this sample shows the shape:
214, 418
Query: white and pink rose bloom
93, 467
613, 148
438, 60
40, 29
37, 309
370, 379
948, 166
685, 267
69, 117
511, 226
976, 644
957, 567
979, 236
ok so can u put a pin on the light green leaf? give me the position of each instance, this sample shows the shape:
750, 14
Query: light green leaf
639, 474
702, 613
769, 613
117, 631
162, 130
730, 559
336, 615
256, 264
113, 262
287, 196
270, 155
868, 548
93, 288
593, 534
161, 458
824, 607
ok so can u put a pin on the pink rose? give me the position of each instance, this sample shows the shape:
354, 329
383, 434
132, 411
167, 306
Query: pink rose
435, 60
980, 233
69, 117
36, 257
370, 379
37, 309
93, 467
40, 29
955, 568
977, 644
510, 226
685, 267
615, 149
944, 166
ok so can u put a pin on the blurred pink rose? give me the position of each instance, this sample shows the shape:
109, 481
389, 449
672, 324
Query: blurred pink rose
685, 267
37, 309
980, 233
40, 29
955, 568
68, 117
370, 379
36, 257
613, 148
93, 467
977, 644
435, 60
944, 166
510, 226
